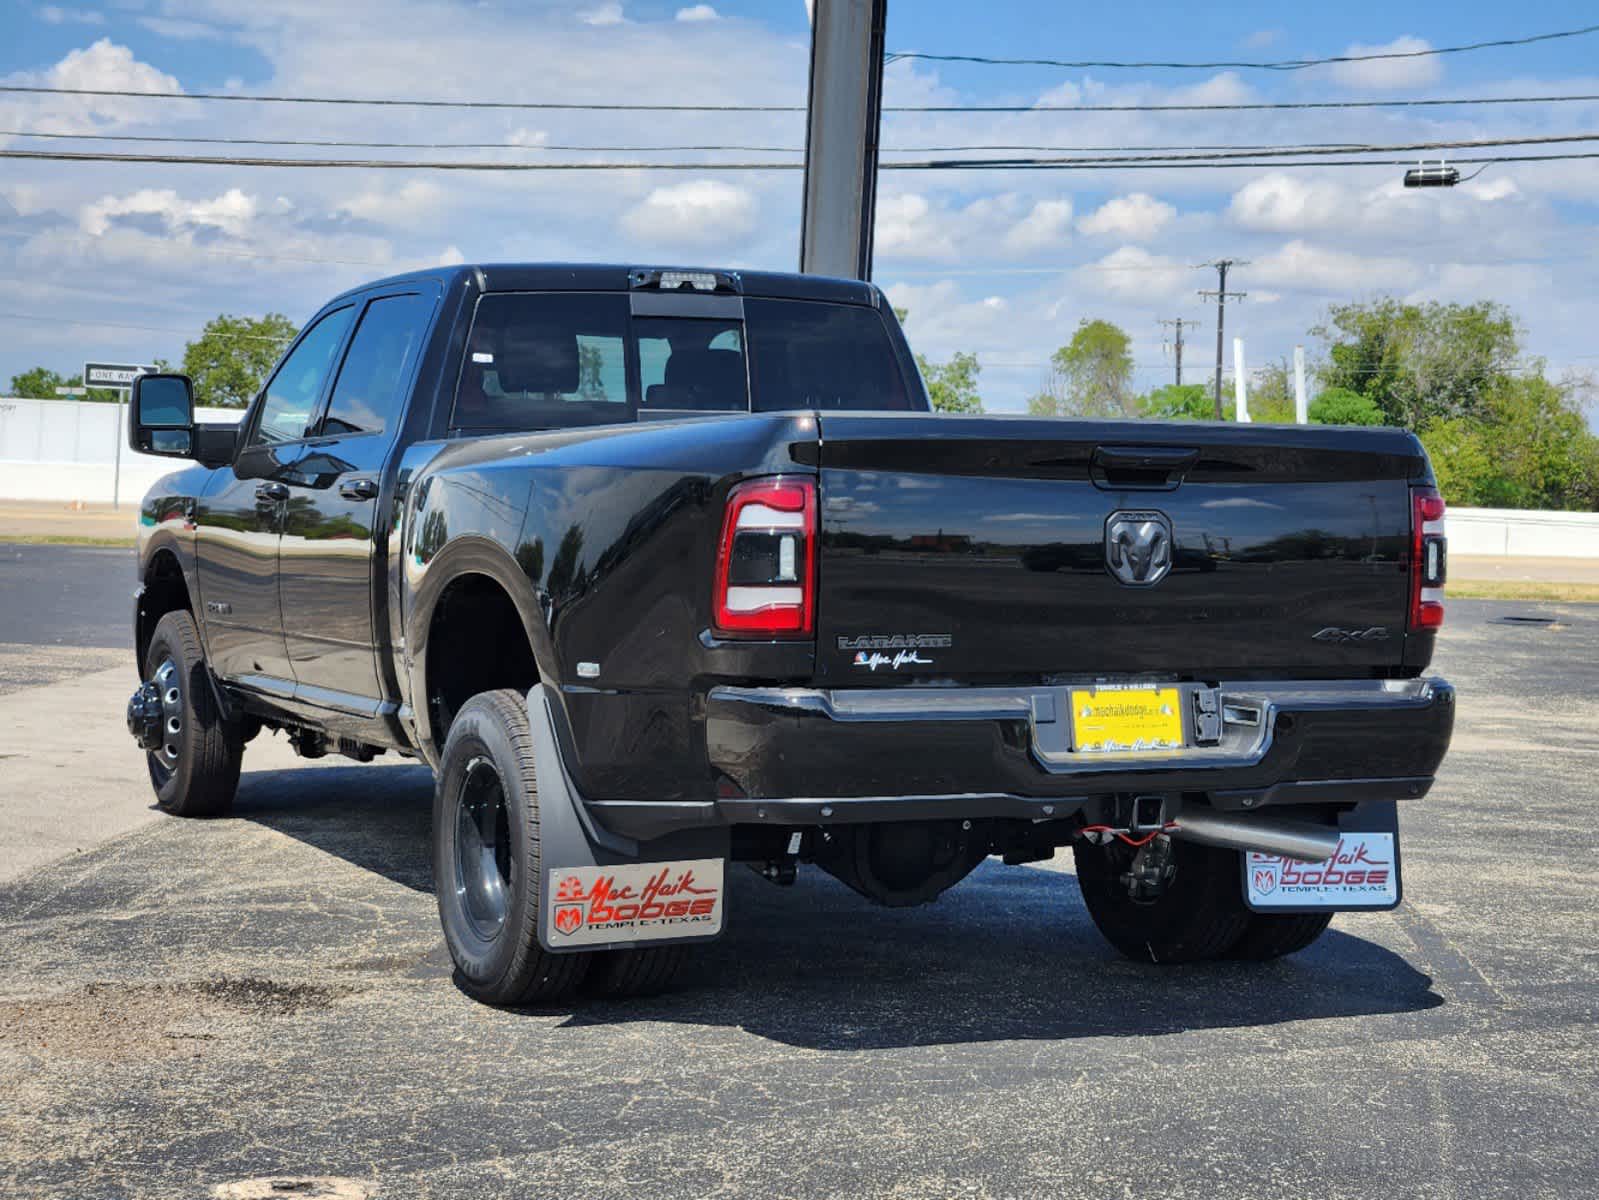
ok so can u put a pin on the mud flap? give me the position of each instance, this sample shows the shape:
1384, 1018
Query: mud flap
598, 891
1361, 876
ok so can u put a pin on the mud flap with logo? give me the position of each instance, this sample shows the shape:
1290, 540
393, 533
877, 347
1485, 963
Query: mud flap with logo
1361, 876
598, 891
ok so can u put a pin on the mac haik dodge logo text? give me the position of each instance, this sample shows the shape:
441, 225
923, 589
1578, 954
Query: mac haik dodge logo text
1360, 872
636, 902
868, 649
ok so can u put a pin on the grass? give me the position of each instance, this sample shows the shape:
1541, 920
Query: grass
1522, 589
65, 539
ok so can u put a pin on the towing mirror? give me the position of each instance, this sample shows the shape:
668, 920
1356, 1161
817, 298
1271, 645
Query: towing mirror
162, 419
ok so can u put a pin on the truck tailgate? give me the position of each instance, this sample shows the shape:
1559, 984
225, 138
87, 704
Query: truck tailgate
977, 549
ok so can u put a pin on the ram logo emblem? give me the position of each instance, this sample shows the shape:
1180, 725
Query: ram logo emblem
1138, 547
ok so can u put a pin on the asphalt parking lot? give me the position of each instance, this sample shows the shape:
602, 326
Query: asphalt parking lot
188, 1005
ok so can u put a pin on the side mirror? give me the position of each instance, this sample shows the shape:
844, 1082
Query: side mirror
161, 416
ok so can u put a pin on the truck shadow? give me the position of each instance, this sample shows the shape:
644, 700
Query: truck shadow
1010, 954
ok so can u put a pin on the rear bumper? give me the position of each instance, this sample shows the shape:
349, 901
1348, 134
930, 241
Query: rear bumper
803, 756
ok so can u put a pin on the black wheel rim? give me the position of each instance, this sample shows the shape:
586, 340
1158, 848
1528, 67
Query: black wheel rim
483, 849
168, 681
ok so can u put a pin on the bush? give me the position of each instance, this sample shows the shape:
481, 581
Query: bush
1340, 406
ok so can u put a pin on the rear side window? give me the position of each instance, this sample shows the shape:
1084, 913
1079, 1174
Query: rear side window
367, 396
545, 361
805, 354
292, 395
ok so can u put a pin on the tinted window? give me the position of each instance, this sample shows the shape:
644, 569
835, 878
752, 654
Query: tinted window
545, 361
692, 363
292, 395
830, 356
367, 395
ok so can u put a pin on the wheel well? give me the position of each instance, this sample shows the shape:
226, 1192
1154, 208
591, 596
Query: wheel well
164, 592
476, 643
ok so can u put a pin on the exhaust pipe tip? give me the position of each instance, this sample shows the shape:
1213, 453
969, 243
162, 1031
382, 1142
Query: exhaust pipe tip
1300, 840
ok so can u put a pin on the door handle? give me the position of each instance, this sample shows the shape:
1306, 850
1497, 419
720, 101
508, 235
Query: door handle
271, 491
361, 488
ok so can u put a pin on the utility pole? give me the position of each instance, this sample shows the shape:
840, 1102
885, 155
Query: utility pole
842, 123
1178, 323
1222, 295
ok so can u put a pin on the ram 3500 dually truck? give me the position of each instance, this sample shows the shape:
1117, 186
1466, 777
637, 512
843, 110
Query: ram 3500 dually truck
664, 569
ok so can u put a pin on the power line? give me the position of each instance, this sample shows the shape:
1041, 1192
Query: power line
236, 337
1244, 158
234, 141
589, 106
1294, 64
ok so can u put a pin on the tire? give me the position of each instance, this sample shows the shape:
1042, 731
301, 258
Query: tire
486, 858
1272, 935
1199, 916
647, 971
201, 778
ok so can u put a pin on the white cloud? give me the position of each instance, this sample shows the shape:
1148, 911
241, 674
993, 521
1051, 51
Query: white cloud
1389, 72
108, 66
1137, 217
231, 212
1046, 227
697, 12
1133, 273
704, 212
1263, 38
603, 14
451, 256
414, 202
1301, 266
1283, 203
908, 226
54, 14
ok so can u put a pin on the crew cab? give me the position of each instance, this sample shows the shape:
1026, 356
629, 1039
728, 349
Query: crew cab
661, 570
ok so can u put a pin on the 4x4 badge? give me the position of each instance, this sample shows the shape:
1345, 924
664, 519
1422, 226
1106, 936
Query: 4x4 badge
1138, 547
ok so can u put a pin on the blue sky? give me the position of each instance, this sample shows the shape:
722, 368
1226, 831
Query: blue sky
1002, 263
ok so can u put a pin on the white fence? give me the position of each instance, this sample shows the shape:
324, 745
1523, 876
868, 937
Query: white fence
1514, 532
67, 450
70, 450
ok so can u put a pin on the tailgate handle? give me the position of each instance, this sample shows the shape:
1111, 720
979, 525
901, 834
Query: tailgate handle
1157, 468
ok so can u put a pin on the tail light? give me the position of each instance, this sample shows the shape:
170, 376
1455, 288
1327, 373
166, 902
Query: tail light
1428, 558
766, 560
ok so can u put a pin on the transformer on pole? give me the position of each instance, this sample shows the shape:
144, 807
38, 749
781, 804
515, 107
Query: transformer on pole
843, 117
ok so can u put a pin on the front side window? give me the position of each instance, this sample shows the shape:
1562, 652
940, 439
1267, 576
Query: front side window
545, 361
367, 394
291, 397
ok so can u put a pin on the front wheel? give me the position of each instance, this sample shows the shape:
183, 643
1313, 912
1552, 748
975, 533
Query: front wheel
194, 753
1198, 915
486, 857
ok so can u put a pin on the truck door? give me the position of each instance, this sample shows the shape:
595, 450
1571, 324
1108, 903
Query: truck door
239, 519
333, 528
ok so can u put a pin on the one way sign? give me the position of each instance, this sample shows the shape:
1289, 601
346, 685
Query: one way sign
113, 375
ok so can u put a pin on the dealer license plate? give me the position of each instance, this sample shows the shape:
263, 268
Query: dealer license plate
1121, 719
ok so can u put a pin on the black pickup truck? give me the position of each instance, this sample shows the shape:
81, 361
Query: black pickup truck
664, 569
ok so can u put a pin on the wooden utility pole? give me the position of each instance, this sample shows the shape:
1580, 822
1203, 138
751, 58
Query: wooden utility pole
1222, 296
1177, 323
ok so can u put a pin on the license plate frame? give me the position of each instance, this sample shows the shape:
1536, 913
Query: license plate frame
1128, 718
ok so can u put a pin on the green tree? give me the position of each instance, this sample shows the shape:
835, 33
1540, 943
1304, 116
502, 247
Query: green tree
1092, 375
1180, 402
1419, 362
230, 359
1271, 393
1340, 406
952, 386
39, 383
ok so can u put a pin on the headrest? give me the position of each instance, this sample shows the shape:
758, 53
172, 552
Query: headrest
542, 362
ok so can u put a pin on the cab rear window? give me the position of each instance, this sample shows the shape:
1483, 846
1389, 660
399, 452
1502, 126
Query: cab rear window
557, 360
